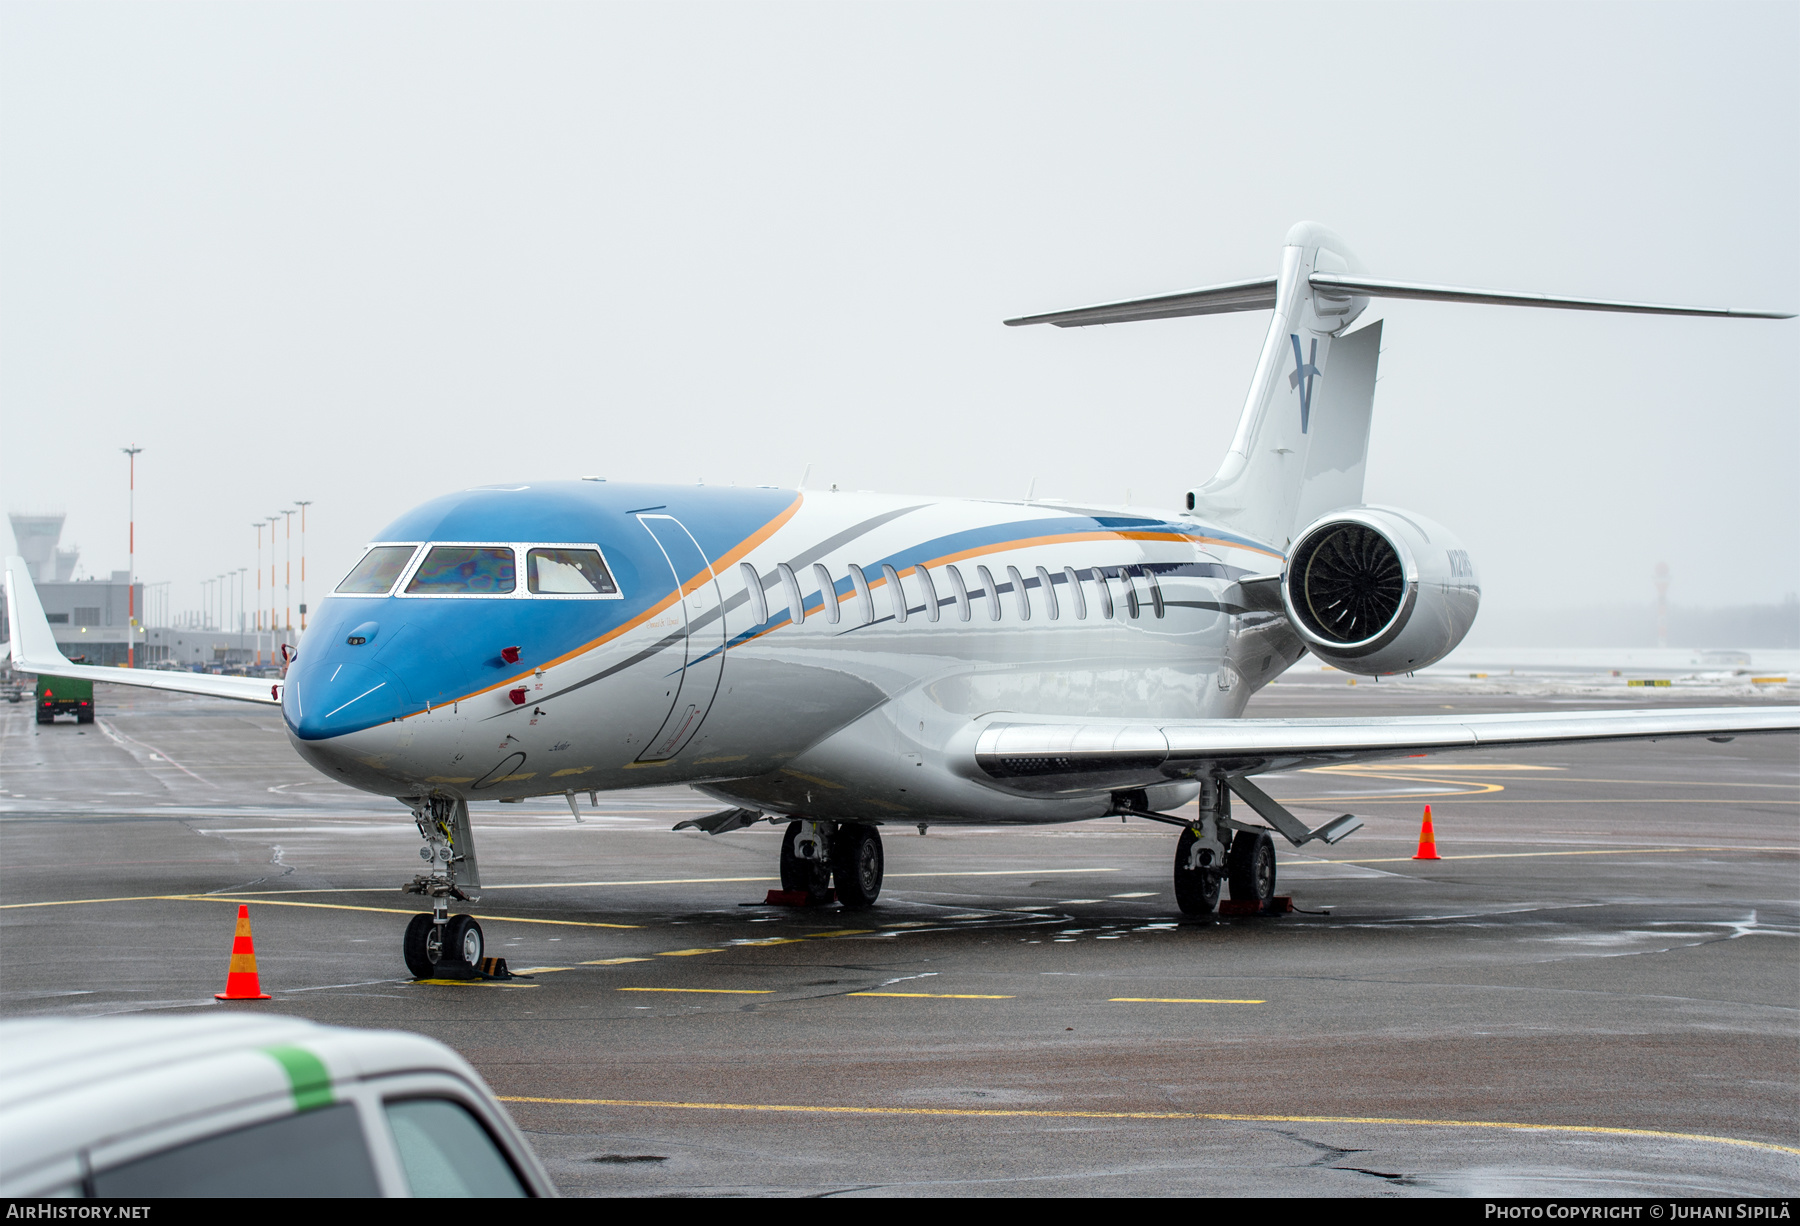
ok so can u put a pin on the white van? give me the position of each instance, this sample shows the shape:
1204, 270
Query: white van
231, 1105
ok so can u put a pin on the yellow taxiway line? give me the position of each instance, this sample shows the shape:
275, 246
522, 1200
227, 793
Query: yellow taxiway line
932, 995
707, 991
561, 885
1530, 855
1221, 1116
322, 906
1177, 1000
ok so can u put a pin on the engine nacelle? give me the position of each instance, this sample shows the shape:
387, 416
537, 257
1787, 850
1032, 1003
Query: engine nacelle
1377, 591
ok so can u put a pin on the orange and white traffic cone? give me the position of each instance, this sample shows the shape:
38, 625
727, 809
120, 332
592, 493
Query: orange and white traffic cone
240, 980
1427, 840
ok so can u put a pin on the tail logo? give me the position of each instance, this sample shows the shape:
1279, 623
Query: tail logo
1305, 370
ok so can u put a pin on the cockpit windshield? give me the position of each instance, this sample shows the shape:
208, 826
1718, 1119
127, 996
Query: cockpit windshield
568, 572
376, 573
472, 570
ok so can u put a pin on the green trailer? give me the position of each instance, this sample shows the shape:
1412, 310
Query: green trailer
64, 696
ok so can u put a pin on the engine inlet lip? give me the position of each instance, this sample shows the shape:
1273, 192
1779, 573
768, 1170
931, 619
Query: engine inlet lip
1391, 629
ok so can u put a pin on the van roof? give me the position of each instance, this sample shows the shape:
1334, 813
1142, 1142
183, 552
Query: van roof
68, 1085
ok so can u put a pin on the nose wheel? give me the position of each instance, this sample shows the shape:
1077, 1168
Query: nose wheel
450, 949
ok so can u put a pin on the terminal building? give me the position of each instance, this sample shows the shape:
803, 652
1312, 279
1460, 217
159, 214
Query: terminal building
91, 617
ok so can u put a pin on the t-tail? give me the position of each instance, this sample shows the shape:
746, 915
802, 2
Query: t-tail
1303, 438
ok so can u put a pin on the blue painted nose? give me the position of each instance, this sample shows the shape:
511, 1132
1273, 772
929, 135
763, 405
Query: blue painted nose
339, 698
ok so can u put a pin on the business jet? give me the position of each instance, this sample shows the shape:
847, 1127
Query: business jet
844, 661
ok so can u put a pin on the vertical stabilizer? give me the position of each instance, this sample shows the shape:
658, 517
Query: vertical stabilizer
1304, 432
1303, 436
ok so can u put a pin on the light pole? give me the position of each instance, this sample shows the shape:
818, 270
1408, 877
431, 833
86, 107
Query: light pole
287, 586
273, 520
131, 563
258, 526
303, 503
241, 592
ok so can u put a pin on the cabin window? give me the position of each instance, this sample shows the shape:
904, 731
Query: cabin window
931, 596
959, 590
1104, 590
759, 604
1131, 591
990, 592
864, 597
465, 570
827, 593
1156, 596
375, 574
568, 572
896, 593
1047, 586
1074, 582
790, 583
1019, 593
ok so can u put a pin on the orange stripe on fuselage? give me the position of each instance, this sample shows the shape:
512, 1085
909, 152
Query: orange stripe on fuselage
740, 550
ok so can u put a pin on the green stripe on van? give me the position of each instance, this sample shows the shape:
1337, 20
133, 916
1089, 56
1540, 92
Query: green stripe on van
306, 1074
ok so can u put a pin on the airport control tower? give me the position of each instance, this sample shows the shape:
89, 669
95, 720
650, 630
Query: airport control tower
37, 537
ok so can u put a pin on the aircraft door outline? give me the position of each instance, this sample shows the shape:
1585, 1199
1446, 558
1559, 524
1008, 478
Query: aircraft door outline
703, 645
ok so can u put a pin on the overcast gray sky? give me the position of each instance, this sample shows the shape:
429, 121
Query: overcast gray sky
366, 254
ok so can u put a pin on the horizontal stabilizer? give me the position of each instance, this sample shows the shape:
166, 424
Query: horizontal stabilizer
1342, 287
1257, 295
33, 650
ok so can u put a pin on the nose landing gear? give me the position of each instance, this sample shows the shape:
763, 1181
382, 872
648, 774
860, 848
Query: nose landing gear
448, 950
441, 945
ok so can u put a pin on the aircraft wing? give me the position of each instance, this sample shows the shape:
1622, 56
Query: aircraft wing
33, 650
1083, 756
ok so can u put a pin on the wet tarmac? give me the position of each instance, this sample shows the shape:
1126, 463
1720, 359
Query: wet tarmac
1595, 992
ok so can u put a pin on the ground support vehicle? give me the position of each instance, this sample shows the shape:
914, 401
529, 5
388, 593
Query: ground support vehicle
64, 696
251, 1107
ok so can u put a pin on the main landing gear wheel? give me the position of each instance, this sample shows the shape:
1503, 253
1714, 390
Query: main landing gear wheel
809, 876
431, 949
1251, 866
856, 864
1196, 888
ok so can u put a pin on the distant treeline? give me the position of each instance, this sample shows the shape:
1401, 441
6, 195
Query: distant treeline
1634, 625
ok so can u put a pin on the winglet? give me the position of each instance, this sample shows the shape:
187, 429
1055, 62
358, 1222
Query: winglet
33, 649
33, 645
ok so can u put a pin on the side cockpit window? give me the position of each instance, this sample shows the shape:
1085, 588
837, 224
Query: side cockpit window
465, 570
375, 574
568, 572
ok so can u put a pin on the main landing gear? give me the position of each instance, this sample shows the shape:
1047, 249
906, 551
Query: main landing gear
814, 855
1209, 853
441, 945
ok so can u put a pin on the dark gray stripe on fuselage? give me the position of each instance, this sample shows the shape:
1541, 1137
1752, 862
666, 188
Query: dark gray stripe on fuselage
806, 558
